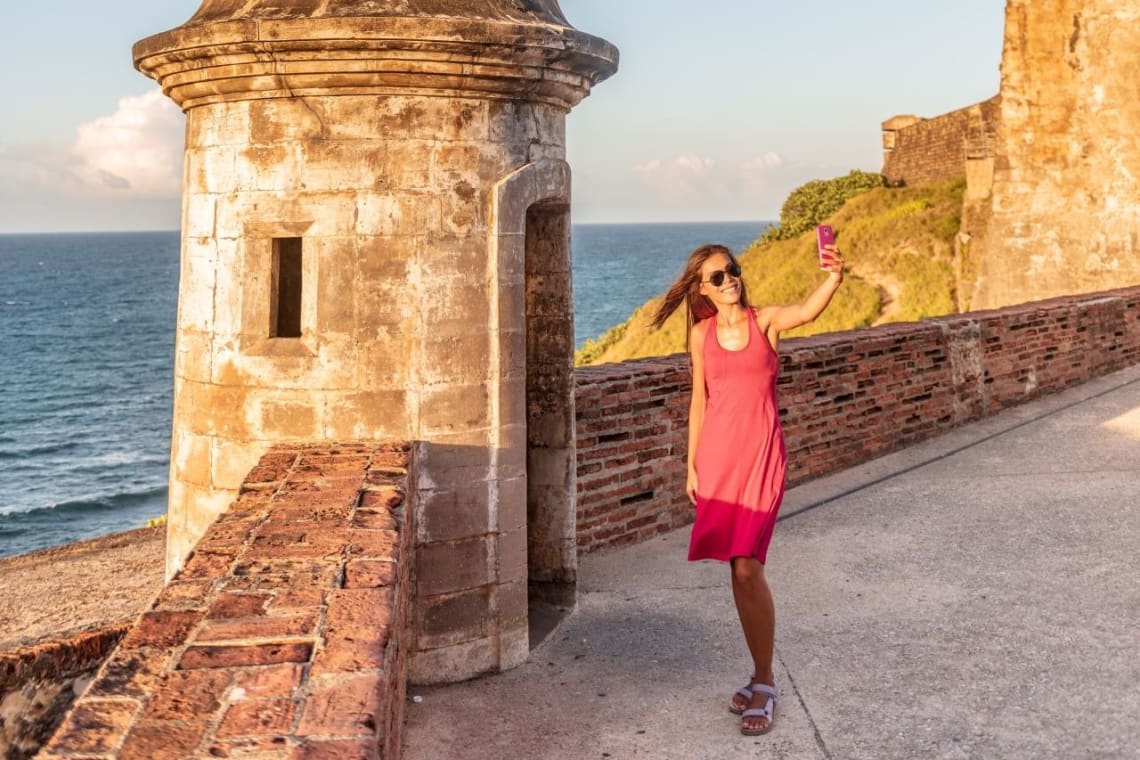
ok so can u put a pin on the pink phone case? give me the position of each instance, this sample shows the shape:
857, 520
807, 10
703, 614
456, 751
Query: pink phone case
825, 235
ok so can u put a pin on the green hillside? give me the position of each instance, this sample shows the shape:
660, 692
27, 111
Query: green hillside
899, 245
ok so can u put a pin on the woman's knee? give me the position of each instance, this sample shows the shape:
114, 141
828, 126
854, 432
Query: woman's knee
747, 571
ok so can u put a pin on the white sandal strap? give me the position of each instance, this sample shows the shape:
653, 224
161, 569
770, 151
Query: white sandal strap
763, 688
758, 712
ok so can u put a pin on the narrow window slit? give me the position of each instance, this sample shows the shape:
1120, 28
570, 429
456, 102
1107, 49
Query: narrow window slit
285, 321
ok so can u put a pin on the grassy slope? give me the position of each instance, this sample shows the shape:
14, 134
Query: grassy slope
899, 245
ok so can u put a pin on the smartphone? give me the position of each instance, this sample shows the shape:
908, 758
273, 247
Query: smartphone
824, 236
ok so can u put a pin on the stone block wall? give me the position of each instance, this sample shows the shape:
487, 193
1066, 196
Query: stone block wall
397, 331
283, 635
844, 398
934, 150
1067, 166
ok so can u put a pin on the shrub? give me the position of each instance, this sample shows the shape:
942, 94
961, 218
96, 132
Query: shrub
813, 202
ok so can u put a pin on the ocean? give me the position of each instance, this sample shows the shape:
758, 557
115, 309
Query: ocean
87, 345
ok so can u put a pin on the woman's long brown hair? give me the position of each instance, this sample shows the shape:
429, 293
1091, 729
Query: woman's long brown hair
686, 290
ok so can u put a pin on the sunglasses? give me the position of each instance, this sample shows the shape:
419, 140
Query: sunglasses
717, 277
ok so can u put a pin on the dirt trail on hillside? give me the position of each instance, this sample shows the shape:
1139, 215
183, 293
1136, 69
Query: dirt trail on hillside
890, 291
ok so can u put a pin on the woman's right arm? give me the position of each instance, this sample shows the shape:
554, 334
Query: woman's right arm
696, 405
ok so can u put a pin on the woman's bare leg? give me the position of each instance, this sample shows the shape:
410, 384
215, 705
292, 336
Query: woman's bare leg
757, 614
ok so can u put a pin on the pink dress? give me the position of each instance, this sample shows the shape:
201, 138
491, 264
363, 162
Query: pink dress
740, 459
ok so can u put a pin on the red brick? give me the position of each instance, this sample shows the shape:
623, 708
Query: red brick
352, 652
247, 507
233, 605
184, 595
205, 565
297, 599
258, 717
359, 610
163, 740
336, 750
278, 573
226, 533
131, 673
162, 628
314, 512
94, 727
380, 478
279, 681
383, 499
342, 709
346, 460
374, 519
374, 544
362, 573
332, 549
251, 748
396, 459
199, 657
186, 694
272, 467
301, 624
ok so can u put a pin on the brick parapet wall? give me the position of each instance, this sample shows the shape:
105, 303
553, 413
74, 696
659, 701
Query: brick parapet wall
38, 684
283, 635
933, 150
844, 398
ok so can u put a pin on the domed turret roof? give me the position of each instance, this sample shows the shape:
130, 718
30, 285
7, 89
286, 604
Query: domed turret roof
234, 50
517, 11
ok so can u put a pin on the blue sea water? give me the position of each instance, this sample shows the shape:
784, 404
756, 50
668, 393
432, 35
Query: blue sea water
86, 352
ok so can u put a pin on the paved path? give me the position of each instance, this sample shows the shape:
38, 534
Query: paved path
974, 596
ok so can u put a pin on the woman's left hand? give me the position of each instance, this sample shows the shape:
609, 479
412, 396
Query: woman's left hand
833, 262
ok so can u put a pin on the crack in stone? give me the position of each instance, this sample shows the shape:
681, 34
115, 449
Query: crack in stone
803, 703
283, 82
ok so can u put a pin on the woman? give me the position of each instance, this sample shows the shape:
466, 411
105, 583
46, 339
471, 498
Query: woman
736, 461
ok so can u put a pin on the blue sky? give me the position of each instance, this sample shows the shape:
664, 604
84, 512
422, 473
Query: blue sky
720, 108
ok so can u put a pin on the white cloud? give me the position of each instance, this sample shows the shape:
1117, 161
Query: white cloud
693, 187
695, 178
134, 153
136, 150
764, 161
695, 164
121, 171
686, 177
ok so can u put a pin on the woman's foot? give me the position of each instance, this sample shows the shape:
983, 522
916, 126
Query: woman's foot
758, 718
740, 700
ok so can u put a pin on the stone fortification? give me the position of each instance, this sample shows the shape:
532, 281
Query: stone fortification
284, 636
1052, 163
254, 582
376, 247
1066, 189
918, 151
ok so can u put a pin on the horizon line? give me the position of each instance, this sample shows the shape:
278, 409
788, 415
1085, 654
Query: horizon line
10, 233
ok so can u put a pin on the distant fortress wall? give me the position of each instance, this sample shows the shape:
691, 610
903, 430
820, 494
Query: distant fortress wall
918, 151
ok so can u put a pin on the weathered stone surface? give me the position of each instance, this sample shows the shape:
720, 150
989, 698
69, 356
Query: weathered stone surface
351, 172
1067, 166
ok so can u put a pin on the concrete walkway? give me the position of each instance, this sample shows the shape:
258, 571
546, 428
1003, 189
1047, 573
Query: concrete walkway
974, 596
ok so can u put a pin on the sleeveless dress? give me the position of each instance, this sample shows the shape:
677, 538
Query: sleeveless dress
740, 459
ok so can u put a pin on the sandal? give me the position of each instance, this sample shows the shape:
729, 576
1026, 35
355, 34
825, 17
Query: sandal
767, 711
745, 693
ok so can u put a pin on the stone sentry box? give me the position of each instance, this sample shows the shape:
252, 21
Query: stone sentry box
376, 245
